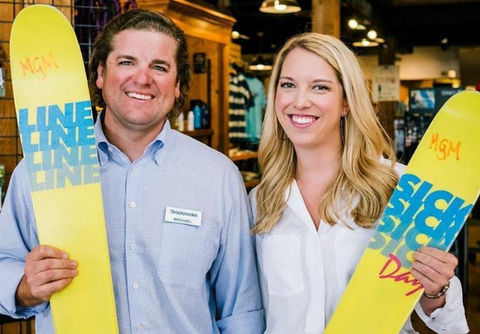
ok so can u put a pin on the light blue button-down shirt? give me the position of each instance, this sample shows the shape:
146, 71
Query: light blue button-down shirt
168, 277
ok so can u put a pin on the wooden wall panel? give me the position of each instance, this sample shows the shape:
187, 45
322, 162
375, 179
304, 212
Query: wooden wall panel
200, 87
11, 154
24, 327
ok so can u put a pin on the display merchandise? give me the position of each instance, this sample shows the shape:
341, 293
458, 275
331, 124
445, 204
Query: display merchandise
428, 207
56, 127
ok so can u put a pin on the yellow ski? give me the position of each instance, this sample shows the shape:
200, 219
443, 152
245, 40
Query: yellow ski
429, 207
56, 127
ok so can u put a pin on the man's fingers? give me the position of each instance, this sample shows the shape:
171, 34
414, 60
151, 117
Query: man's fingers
34, 268
46, 283
46, 277
46, 252
45, 291
52, 264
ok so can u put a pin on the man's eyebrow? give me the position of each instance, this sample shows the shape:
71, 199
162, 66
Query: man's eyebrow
126, 57
161, 62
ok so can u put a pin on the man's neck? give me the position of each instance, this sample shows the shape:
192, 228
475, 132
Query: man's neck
131, 142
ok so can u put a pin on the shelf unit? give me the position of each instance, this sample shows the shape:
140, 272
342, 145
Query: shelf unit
252, 183
244, 156
199, 133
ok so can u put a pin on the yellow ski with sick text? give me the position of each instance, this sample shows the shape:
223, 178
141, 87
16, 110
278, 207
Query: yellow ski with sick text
428, 207
56, 127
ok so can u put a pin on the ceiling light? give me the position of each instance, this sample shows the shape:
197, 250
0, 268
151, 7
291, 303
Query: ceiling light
236, 35
280, 6
361, 27
365, 43
452, 74
379, 40
353, 24
372, 34
260, 65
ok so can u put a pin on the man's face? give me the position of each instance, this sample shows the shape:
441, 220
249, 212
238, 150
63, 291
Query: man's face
138, 82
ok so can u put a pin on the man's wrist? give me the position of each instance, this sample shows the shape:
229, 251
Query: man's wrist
23, 296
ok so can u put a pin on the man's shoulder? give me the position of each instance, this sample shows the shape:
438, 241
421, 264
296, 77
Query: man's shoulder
192, 148
20, 173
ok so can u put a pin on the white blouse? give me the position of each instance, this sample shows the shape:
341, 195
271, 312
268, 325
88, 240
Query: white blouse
303, 272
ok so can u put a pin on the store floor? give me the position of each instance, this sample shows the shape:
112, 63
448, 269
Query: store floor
472, 298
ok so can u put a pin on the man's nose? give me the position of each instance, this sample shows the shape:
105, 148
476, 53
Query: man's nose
142, 76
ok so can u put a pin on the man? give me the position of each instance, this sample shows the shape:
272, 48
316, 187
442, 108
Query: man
168, 277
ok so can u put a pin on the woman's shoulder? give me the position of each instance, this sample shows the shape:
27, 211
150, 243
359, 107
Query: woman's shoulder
397, 166
252, 197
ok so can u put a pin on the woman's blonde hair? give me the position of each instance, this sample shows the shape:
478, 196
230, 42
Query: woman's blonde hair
361, 174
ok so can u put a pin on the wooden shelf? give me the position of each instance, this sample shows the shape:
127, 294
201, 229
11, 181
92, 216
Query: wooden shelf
244, 156
199, 133
252, 183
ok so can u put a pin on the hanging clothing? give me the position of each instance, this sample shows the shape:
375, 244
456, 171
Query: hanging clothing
240, 101
254, 116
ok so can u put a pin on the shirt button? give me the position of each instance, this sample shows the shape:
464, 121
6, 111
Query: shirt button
133, 168
135, 285
133, 245
139, 327
133, 204
110, 149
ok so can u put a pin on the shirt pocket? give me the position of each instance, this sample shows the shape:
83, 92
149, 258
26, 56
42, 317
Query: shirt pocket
187, 253
347, 258
282, 264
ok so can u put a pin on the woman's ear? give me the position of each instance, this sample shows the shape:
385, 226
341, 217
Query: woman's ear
346, 108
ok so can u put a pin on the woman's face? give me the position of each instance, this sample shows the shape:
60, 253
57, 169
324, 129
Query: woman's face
309, 101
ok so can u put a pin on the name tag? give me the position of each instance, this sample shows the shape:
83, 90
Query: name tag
183, 216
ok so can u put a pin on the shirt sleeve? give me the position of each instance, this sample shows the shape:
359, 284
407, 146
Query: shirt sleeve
17, 237
451, 317
239, 308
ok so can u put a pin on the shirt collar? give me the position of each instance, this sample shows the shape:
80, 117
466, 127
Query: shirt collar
158, 148
295, 202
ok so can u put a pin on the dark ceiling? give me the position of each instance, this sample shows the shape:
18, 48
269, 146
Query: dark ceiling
410, 22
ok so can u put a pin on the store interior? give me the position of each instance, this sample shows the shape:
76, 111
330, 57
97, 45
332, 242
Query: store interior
420, 51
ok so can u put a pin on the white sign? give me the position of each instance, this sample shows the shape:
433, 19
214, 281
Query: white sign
183, 216
386, 84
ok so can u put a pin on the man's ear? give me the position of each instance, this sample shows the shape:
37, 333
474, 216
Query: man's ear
177, 90
100, 73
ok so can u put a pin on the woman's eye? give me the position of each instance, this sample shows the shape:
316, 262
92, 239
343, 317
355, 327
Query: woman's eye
320, 87
286, 85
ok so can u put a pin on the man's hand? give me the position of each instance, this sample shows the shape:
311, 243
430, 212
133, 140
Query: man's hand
434, 268
47, 271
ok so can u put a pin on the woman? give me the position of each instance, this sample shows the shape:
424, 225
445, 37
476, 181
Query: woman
325, 184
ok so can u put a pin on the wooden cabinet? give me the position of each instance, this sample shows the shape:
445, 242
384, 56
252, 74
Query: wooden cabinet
208, 31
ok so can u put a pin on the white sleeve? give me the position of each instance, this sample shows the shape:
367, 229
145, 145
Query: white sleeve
450, 318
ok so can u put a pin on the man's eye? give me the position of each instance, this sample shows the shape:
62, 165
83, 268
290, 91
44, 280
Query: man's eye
125, 62
159, 68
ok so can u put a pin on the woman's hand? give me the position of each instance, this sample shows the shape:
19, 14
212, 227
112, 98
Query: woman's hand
433, 268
